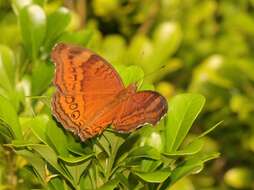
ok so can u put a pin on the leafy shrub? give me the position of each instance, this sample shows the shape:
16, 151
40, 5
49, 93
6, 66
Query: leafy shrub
150, 158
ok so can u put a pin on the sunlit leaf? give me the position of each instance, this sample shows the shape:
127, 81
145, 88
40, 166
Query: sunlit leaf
75, 160
167, 38
50, 156
56, 24
145, 152
57, 138
7, 68
76, 170
41, 77
154, 177
183, 111
56, 183
38, 125
140, 51
193, 148
32, 21
81, 37
9, 116
131, 74
35, 161
114, 49
193, 165
110, 185
5, 130
19, 4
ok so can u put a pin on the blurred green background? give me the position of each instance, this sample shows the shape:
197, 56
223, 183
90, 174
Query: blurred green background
203, 46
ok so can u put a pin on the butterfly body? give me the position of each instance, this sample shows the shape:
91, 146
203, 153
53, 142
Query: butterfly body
90, 95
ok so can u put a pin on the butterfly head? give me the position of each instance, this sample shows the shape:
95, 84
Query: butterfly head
132, 88
56, 51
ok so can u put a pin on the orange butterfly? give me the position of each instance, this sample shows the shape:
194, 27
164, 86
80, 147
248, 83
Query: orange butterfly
90, 95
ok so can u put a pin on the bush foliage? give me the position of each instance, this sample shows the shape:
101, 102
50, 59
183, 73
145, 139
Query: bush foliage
186, 48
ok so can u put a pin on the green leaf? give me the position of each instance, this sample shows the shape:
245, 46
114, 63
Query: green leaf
56, 183
114, 49
50, 156
38, 126
81, 37
6, 131
9, 116
134, 183
185, 170
22, 143
78, 149
86, 182
32, 20
150, 165
41, 77
210, 130
193, 148
76, 170
152, 137
247, 67
183, 111
126, 147
130, 74
167, 37
40, 2
123, 180
103, 144
19, 4
7, 68
145, 152
141, 50
146, 86
57, 138
37, 163
154, 177
75, 160
193, 165
56, 23
110, 185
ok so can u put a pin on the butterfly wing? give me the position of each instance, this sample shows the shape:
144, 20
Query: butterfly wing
139, 109
71, 112
80, 71
68, 110
86, 83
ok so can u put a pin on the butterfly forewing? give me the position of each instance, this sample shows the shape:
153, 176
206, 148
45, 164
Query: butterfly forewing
80, 71
86, 79
68, 110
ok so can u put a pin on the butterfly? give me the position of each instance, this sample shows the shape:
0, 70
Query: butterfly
90, 95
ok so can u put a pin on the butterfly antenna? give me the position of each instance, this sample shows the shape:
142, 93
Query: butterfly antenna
42, 99
45, 102
37, 97
32, 110
139, 81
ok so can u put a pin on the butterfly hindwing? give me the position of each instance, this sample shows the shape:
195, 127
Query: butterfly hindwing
140, 108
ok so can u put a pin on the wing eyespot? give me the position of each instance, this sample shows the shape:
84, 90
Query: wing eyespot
80, 123
75, 115
69, 99
73, 106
